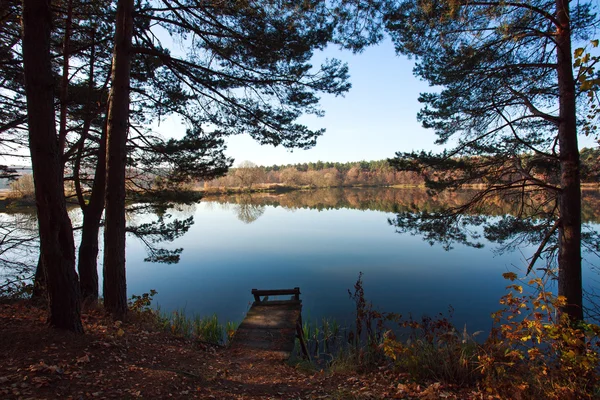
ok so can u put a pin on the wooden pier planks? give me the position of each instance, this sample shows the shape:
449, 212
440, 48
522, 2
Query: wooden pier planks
271, 326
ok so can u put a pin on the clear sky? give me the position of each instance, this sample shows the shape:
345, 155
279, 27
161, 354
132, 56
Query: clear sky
376, 118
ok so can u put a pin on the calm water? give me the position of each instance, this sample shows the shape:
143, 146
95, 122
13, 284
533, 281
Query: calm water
320, 242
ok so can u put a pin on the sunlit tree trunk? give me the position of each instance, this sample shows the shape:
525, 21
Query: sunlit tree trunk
115, 288
57, 246
92, 213
569, 238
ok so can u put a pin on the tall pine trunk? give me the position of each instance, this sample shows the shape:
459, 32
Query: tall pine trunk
57, 246
88, 247
92, 211
88, 258
569, 237
115, 287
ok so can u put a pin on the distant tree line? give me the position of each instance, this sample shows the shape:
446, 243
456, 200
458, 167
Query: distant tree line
317, 174
362, 173
388, 200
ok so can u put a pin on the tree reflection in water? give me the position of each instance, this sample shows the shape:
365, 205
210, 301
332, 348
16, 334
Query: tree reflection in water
248, 211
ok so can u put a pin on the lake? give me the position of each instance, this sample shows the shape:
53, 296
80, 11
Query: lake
319, 241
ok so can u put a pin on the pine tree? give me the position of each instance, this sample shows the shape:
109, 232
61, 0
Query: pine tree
508, 97
57, 248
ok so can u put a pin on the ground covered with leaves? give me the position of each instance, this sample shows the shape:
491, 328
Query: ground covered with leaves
134, 360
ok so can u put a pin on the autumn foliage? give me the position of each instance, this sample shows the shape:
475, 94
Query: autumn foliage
533, 352
538, 352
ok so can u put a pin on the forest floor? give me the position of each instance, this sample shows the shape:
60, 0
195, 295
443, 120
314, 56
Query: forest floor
133, 360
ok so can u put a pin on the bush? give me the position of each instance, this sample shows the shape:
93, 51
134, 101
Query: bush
436, 351
537, 351
533, 352
22, 187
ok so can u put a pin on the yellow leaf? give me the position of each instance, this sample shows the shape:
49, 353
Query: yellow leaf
595, 42
120, 332
518, 288
585, 59
509, 275
578, 52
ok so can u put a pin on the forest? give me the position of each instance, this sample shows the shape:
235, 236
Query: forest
363, 173
84, 85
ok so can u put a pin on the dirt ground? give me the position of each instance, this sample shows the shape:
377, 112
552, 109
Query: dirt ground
127, 361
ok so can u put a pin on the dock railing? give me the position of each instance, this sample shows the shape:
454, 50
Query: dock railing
295, 292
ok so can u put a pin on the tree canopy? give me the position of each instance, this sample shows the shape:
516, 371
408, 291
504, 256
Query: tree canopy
506, 98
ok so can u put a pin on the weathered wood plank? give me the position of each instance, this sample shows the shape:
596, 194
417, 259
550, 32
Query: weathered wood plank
271, 325
276, 292
278, 302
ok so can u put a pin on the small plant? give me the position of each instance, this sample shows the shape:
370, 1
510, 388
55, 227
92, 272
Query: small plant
208, 329
435, 350
538, 350
16, 287
369, 328
230, 329
178, 323
142, 304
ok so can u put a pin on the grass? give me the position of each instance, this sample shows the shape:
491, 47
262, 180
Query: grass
207, 329
445, 356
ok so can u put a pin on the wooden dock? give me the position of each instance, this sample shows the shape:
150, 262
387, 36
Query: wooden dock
271, 326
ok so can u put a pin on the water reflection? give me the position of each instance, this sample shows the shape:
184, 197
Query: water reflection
390, 200
248, 211
242, 242
156, 227
18, 247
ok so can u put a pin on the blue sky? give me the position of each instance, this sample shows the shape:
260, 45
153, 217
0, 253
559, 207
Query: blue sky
376, 118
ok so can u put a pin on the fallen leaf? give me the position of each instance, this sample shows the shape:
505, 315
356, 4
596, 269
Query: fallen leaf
84, 359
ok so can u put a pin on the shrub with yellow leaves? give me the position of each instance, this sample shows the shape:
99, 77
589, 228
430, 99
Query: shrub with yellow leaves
535, 351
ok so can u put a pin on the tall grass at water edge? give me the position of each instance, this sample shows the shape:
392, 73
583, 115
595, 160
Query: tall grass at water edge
204, 329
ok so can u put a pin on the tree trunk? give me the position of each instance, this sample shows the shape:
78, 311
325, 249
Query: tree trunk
115, 287
569, 237
88, 255
92, 212
57, 247
88, 247
39, 293
64, 83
